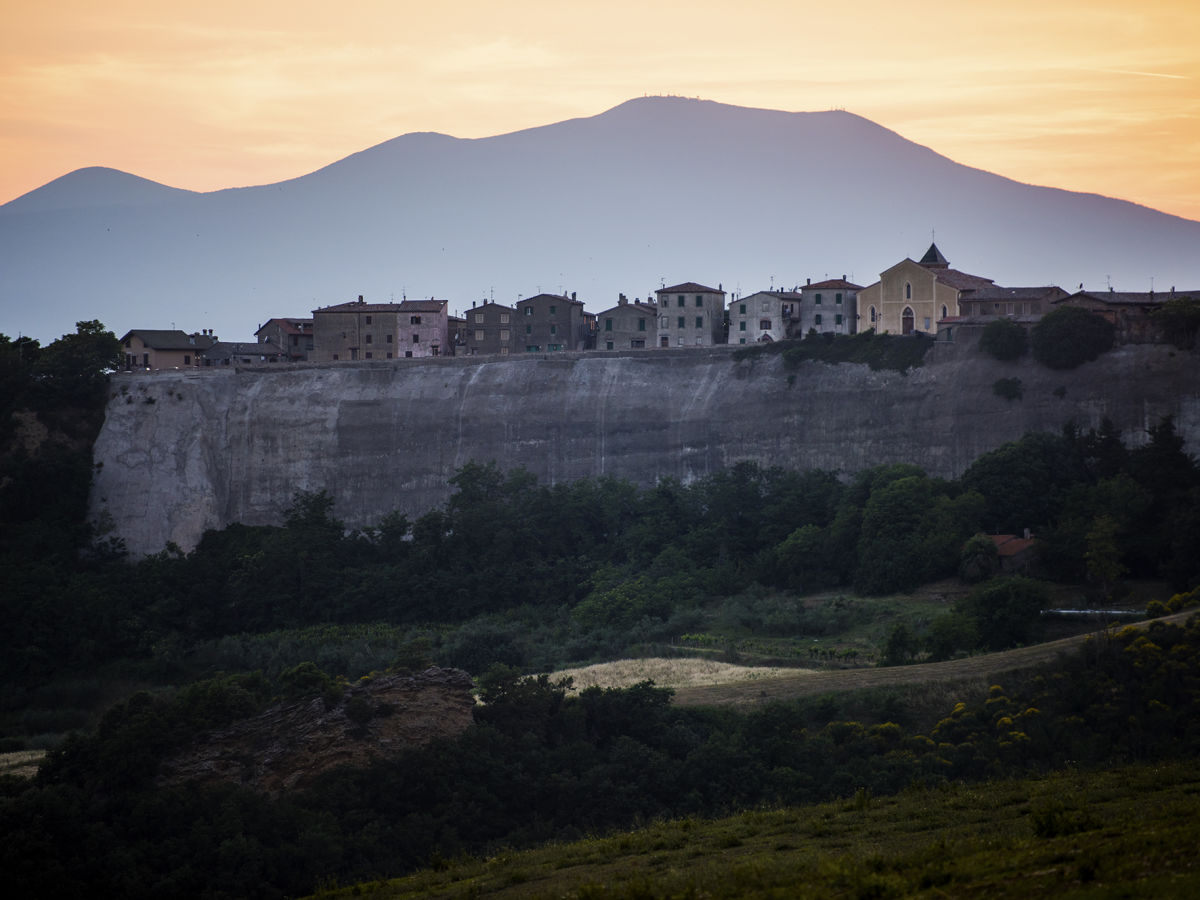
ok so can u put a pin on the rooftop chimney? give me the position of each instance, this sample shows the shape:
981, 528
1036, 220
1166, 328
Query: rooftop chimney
808, 281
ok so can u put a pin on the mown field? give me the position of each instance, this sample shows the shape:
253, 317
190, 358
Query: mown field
1129, 832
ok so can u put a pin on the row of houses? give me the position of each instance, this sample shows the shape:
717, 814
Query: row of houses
924, 296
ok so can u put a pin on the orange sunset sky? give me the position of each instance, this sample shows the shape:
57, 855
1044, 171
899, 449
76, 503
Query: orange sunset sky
1089, 95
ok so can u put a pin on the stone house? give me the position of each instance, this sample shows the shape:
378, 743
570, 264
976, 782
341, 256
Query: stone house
491, 328
146, 348
294, 337
243, 353
549, 323
691, 315
346, 332
829, 307
914, 296
995, 301
627, 326
423, 329
1132, 313
763, 316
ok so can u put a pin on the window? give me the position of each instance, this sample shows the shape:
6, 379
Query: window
945, 312
368, 320
529, 329
414, 320
608, 345
532, 348
907, 291
554, 329
837, 298
368, 354
837, 319
369, 339
187, 360
553, 310
817, 300
766, 306
742, 341
636, 344
679, 322
608, 324
764, 324
504, 351
335, 356
503, 318
699, 321
641, 324
408, 354
927, 323
817, 319
504, 334
741, 326
872, 315
389, 356
529, 310
699, 342
699, 300
416, 339
742, 308
666, 322
478, 318
679, 300
479, 334
389, 339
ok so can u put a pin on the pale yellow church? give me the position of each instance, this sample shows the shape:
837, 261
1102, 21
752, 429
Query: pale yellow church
914, 296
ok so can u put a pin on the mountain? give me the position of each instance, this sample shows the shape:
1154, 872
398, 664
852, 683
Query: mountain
656, 189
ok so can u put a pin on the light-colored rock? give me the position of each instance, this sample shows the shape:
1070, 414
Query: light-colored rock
183, 452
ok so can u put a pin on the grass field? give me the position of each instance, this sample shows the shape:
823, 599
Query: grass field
673, 673
1129, 832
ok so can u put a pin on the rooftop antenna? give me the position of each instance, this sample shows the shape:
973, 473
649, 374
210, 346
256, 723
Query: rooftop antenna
1152, 284
1108, 281
772, 282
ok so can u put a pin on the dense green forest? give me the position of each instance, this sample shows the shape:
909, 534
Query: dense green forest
510, 577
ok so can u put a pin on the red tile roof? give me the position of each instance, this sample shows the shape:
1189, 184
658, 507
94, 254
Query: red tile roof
832, 284
688, 287
1010, 544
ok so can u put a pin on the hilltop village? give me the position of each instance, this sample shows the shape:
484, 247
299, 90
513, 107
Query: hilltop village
924, 297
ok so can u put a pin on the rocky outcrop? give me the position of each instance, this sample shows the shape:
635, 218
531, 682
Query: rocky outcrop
289, 745
183, 452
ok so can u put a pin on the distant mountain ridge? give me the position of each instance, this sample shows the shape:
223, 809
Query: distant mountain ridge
654, 190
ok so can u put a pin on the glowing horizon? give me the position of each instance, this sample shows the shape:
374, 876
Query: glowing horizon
1097, 96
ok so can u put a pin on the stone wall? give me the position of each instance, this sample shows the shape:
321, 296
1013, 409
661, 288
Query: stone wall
185, 451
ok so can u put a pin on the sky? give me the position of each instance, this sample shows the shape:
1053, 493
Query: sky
1088, 95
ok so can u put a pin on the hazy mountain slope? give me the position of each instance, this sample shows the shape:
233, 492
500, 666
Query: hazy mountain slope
655, 189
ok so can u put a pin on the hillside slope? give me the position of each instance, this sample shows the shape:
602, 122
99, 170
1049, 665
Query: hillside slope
653, 190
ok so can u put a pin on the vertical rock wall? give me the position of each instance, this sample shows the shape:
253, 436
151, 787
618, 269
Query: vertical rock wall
185, 451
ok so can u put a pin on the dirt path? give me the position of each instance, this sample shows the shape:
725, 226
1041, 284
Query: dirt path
786, 687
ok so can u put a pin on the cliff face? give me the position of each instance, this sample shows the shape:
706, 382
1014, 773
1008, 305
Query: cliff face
289, 745
183, 452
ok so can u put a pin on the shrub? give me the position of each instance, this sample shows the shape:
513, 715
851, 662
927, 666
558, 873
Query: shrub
1004, 339
1070, 336
1008, 388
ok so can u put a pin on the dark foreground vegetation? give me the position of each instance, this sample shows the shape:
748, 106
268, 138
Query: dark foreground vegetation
1127, 832
540, 766
510, 577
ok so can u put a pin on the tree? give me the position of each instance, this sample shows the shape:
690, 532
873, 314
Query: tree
75, 367
1004, 339
1070, 336
1179, 318
1004, 611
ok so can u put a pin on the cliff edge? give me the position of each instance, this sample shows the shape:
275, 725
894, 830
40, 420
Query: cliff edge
182, 452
